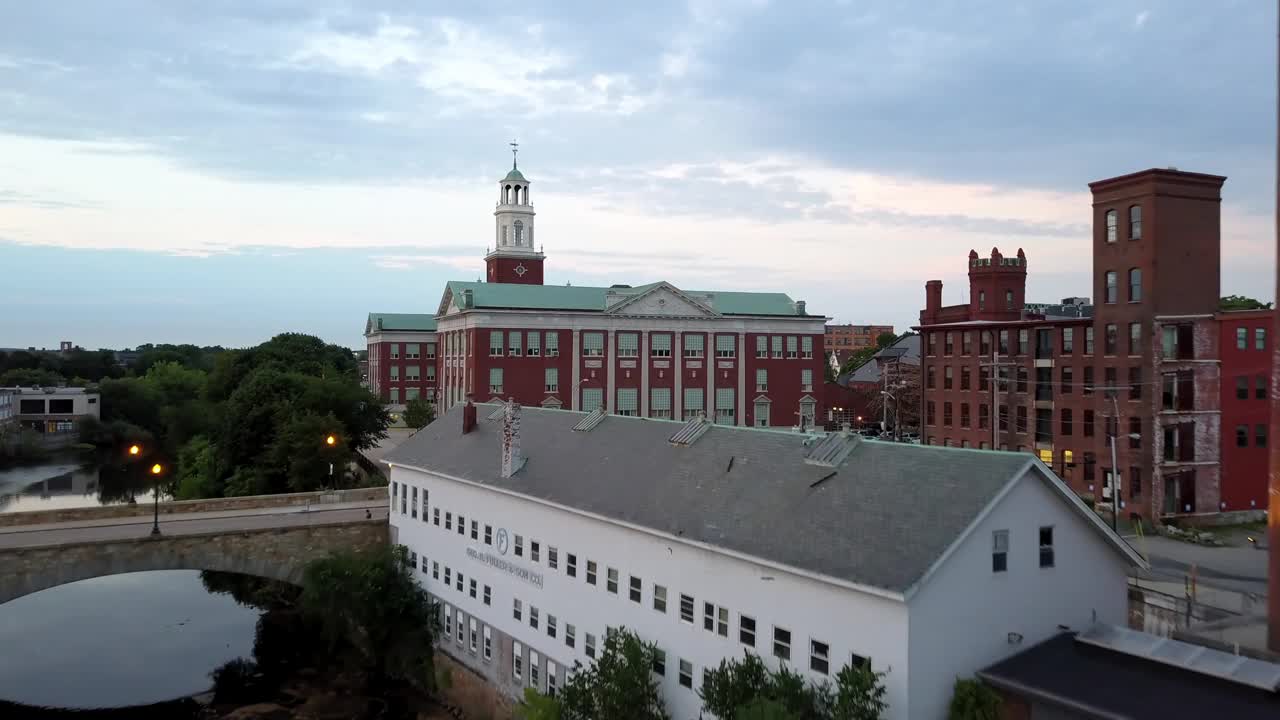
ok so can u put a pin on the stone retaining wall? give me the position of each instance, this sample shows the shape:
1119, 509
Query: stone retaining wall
470, 692
144, 509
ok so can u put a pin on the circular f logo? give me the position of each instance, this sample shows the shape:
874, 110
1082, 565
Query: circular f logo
502, 541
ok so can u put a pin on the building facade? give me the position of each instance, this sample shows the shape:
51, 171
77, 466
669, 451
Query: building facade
1245, 349
53, 411
1142, 367
652, 350
402, 363
854, 337
809, 568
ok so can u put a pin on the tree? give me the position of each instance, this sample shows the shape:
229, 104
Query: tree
746, 688
419, 413
762, 709
903, 410
368, 598
619, 683
973, 700
538, 707
30, 377
1241, 302
859, 694
734, 684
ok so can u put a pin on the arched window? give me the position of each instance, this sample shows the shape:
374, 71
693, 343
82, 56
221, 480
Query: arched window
517, 189
504, 234
1135, 284
1135, 222
506, 195
1111, 226
519, 232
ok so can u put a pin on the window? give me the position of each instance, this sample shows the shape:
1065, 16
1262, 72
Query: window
534, 343
930, 376
472, 588
551, 379
775, 343
1022, 379
819, 656
461, 630
1044, 383
488, 644
660, 345
946, 378
791, 347
999, 551
686, 609
1067, 380
982, 299
553, 558
933, 344
660, 403
611, 580
1135, 222
1008, 299
488, 595
948, 343
519, 545
708, 617
628, 345
591, 572
551, 625
659, 598
1088, 340
1260, 436
533, 617
806, 347
1135, 338
462, 526
1242, 339
686, 673
964, 378
570, 564
724, 406
395, 351
517, 659
781, 643
1086, 387
415, 503
488, 534
513, 343
1135, 481
553, 344
1088, 423
930, 417
747, 630
946, 414
693, 403
984, 417
435, 570
722, 621
1003, 346
412, 373
1024, 338
592, 344
628, 402
1110, 339
1066, 421
692, 346
659, 662
534, 661
1135, 383
475, 530
515, 608
1177, 342
458, 587
570, 635
1112, 222
448, 521
984, 343
495, 343
592, 398
762, 346
1242, 436
589, 644
1046, 547
473, 636
984, 378
806, 380
635, 589
964, 415
725, 346
395, 373
966, 343
495, 380
1135, 433
1177, 390
762, 380
1004, 418
1135, 285
1259, 338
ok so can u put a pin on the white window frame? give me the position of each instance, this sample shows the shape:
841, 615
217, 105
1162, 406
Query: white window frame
626, 339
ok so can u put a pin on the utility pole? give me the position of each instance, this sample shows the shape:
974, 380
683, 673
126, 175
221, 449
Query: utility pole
995, 366
1114, 393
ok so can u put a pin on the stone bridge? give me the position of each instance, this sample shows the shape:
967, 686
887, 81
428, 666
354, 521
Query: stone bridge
268, 539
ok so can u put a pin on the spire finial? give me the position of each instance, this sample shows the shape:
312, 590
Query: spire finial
515, 148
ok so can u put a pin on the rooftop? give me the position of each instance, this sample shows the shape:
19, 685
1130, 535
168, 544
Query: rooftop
758, 492
416, 322
512, 296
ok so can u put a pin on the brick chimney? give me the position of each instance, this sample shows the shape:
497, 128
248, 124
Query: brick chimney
932, 302
512, 457
468, 416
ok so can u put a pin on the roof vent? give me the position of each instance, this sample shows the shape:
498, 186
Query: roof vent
691, 431
592, 419
832, 450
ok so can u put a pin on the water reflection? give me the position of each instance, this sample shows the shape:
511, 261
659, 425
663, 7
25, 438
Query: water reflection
119, 641
72, 481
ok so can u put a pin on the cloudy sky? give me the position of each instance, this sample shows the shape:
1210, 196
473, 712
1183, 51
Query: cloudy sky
221, 171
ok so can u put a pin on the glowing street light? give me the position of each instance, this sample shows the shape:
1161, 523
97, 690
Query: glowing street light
135, 449
156, 470
331, 440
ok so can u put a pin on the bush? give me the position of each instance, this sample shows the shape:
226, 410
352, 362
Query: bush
973, 700
747, 688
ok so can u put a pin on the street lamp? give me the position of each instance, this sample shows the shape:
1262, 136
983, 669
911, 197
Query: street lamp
156, 470
135, 449
331, 440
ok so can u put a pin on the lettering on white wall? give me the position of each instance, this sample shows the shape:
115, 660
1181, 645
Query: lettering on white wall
498, 563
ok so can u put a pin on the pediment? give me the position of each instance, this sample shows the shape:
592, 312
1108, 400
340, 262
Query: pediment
661, 300
446, 302
762, 399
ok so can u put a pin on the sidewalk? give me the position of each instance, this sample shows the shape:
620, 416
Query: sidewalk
191, 517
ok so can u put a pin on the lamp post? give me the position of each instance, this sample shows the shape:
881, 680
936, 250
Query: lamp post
156, 471
331, 441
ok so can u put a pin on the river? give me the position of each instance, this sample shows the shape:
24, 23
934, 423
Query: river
70, 480
120, 641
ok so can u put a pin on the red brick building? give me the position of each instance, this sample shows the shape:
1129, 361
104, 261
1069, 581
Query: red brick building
1245, 350
1143, 366
402, 356
651, 350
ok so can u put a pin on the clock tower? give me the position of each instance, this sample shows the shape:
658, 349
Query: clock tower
514, 258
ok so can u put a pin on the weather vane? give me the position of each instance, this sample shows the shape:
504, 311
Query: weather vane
515, 148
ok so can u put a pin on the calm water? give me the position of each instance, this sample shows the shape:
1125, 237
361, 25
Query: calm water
119, 641
70, 481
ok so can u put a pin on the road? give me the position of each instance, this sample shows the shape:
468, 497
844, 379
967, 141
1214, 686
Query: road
188, 524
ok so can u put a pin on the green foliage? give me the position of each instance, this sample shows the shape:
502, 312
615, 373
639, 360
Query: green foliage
618, 684
1241, 302
30, 377
198, 471
419, 413
53, 367
747, 688
884, 340
538, 707
370, 599
973, 700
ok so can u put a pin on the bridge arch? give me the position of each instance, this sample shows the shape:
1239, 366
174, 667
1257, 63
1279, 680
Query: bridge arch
276, 553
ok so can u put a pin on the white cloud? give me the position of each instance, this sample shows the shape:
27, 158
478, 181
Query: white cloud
1141, 20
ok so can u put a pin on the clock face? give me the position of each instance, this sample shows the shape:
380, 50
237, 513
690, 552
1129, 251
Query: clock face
521, 270
502, 541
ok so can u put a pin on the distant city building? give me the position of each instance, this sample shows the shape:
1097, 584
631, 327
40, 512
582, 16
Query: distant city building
8, 409
537, 530
849, 398
1145, 363
853, 338
402, 356
652, 350
53, 410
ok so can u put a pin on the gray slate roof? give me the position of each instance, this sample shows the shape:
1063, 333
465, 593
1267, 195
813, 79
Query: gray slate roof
890, 511
906, 351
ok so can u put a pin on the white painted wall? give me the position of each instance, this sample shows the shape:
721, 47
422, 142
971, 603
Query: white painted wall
961, 617
848, 620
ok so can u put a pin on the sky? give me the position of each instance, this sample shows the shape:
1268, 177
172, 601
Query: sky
220, 172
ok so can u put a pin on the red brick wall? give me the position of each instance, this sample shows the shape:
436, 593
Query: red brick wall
1244, 469
503, 270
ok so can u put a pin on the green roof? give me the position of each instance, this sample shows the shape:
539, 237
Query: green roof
401, 321
593, 299
514, 175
